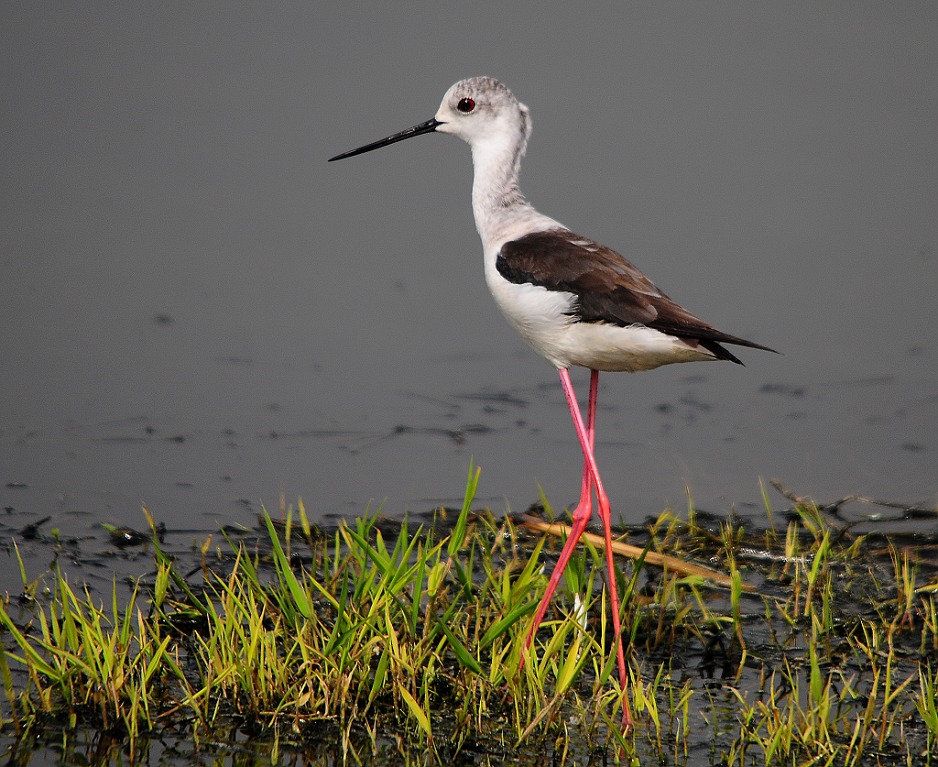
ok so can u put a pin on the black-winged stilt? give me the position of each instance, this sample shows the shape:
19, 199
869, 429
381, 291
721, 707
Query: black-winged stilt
575, 301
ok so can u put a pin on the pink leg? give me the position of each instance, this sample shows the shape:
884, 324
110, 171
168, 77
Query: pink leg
581, 517
605, 514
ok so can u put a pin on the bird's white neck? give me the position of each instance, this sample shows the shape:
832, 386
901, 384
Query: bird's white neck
501, 211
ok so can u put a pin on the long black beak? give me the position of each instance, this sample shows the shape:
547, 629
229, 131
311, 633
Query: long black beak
418, 130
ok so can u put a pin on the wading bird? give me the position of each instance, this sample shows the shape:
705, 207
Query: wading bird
576, 302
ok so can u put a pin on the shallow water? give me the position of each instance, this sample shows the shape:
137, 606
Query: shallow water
200, 314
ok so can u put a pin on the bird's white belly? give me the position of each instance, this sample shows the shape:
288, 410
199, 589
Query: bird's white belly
542, 318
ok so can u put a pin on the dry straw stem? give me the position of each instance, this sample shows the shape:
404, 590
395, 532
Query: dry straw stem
636, 552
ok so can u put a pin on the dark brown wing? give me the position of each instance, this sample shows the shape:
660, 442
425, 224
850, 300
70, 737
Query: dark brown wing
608, 288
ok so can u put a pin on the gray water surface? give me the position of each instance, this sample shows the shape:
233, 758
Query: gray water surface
198, 313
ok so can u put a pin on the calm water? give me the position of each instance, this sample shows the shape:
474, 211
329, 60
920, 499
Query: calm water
199, 313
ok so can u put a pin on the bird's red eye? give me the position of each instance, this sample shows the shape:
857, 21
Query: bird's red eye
466, 105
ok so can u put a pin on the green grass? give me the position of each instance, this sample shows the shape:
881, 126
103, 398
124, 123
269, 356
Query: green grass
400, 644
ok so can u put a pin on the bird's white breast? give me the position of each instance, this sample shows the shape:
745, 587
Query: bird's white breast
539, 315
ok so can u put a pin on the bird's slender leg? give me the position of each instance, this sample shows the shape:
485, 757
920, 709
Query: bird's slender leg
605, 514
581, 517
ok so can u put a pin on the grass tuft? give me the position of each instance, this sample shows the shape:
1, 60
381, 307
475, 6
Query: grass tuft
795, 646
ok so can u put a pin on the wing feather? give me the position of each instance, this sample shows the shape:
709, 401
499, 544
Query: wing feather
608, 287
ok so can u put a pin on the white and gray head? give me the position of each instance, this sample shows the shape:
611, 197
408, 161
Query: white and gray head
480, 110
